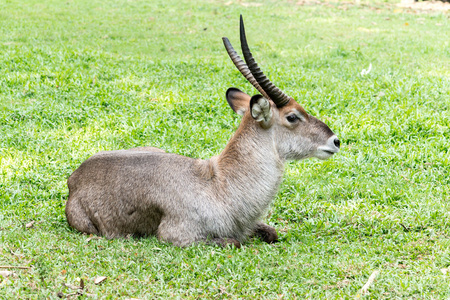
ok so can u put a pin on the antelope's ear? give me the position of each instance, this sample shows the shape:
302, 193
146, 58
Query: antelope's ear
260, 109
238, 100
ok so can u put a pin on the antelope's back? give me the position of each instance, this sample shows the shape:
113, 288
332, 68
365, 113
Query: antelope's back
112, 186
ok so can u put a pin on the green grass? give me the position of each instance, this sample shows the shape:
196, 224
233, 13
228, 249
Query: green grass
78, 77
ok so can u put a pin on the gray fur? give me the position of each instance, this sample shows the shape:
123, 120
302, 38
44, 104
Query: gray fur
145, 191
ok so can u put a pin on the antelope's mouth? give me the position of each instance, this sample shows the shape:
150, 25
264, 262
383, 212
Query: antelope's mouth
329, 152
324, 154
331, 147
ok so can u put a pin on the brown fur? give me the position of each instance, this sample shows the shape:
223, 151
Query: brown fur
145, 191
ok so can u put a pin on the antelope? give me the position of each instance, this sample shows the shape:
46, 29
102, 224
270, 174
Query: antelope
221, 201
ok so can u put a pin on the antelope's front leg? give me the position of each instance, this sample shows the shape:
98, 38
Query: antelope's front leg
265, 232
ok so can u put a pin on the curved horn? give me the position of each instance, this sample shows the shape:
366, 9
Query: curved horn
242, 67
277, 95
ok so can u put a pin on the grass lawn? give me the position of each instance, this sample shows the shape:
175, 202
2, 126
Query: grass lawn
78, 77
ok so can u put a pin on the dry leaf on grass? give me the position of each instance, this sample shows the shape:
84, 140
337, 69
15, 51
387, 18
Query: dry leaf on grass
75, 287
80, 290
71, 286
29, 225
7, 273
99, 279
369, 282
93, 238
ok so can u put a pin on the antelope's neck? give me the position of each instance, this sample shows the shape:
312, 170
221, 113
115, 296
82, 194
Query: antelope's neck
249, 169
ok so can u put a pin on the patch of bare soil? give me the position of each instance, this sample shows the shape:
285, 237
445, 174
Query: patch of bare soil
413, 5
425, 5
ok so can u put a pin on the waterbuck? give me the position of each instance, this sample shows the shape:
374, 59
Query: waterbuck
146, 191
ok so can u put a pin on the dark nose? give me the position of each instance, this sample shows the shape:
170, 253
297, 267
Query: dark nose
337, 143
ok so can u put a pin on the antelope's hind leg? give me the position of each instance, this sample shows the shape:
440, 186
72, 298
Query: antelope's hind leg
265, 232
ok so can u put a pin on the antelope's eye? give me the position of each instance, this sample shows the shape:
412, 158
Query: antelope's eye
292, 118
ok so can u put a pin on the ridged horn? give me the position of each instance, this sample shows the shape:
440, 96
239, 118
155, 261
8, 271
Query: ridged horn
277, 95
242, 67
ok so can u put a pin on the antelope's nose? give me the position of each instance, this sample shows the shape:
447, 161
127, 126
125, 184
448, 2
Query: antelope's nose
337, 143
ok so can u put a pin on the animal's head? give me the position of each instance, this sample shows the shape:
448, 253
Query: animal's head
298, 135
